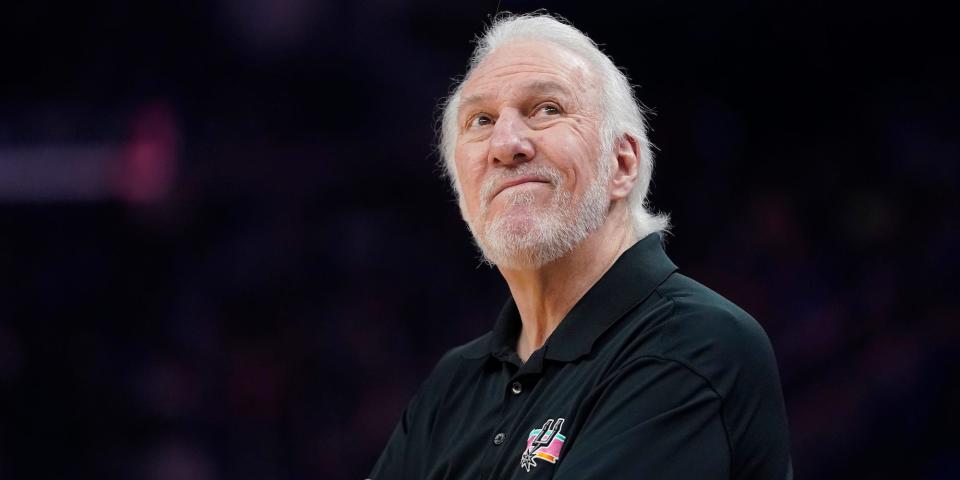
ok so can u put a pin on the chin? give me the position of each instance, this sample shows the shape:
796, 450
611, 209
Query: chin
517, 225
517, 259
524, 241
525, 236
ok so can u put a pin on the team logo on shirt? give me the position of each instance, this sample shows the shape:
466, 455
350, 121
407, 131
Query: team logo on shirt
543, 443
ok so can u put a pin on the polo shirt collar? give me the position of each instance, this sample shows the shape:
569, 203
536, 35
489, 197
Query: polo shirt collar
627, 283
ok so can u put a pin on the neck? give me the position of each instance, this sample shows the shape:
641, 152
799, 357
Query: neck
545, 295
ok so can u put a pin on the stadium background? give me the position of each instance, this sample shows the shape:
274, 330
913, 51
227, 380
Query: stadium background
225, 252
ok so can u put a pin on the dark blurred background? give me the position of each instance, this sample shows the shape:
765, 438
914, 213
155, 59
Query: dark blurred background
225, 252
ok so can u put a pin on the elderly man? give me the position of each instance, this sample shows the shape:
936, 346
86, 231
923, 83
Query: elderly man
605, 362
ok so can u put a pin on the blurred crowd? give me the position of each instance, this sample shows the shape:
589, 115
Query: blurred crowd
226, 252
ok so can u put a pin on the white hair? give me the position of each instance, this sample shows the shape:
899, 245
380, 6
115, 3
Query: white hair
621, 112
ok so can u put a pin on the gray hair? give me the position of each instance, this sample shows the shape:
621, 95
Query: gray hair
621, 112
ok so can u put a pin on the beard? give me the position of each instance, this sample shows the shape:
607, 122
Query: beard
540, 234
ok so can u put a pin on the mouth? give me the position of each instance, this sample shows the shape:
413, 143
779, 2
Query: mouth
518, 181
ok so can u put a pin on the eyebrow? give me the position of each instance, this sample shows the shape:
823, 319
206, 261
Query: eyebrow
534, 86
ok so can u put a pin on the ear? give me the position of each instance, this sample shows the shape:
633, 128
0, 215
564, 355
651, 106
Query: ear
624, 177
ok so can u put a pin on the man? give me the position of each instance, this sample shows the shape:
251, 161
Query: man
606, 362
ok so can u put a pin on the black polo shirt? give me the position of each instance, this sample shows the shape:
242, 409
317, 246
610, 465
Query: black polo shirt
651, 375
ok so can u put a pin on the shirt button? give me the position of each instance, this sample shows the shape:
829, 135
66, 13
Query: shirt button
498, 438
516, 388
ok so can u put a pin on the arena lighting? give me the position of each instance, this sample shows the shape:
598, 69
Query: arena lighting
135, 172
139, 169
57, 173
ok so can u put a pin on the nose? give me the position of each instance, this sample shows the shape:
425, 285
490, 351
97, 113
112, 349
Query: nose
510, 142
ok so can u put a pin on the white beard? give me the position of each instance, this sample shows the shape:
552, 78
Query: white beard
545, 234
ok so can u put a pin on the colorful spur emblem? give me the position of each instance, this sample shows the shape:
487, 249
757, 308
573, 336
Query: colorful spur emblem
544, 444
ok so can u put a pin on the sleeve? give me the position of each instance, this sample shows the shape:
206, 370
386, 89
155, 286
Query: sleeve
653, 418
730, 350
402, 458
392, 463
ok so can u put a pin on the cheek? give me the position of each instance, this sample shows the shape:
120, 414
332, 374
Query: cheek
468, 161
470, 166
576, 154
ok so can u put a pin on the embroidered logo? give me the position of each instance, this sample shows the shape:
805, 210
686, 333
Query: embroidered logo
543, 443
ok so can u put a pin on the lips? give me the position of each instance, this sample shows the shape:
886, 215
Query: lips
518, 181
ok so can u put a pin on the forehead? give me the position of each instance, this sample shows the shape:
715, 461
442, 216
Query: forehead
523, 63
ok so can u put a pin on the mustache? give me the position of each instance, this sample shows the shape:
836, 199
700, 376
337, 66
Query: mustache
490, 185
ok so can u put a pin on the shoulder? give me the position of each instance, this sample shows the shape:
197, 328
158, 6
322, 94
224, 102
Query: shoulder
729, 349
713, 336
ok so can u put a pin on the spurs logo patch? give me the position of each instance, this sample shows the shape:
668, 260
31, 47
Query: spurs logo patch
543, 443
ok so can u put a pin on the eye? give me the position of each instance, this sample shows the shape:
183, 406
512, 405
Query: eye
547, 109
480, 120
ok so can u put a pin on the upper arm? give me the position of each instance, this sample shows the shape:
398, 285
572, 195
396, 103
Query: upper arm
393, 461
402, 457
729, 348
